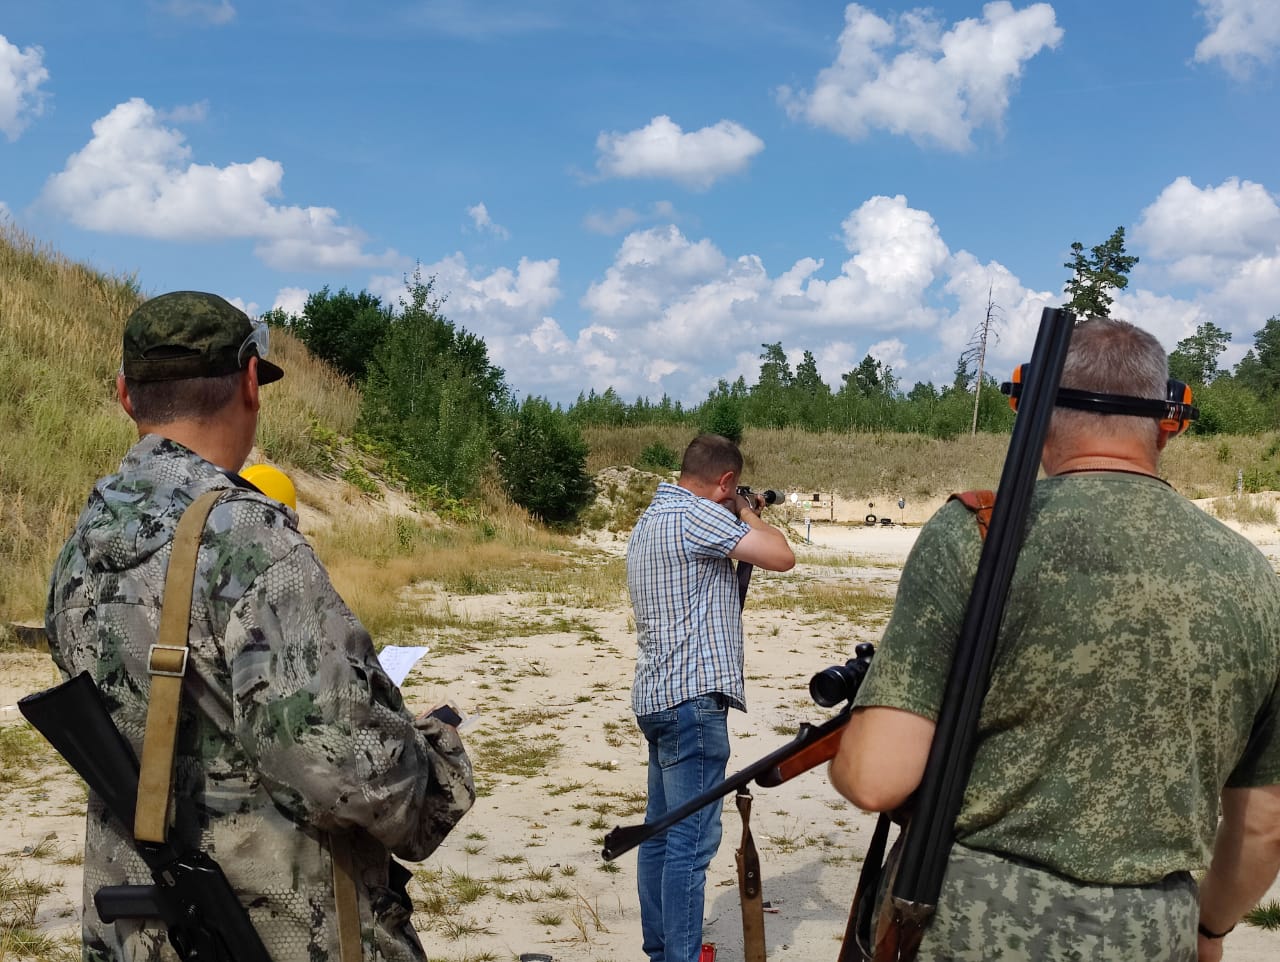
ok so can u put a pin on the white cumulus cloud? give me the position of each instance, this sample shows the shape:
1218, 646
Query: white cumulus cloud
912, 77
249, 307
650, 268
479, 215
494, 303
1220, 246
1242, 34
681, 309
507, 308
1204, 233
136, 176
291, 300
22, 71
674, 313
662, 149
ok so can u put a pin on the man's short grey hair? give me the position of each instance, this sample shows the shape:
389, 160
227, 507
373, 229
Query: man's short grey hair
189, 399
1110, 356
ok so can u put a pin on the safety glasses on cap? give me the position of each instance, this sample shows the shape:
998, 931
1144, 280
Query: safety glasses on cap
258, 341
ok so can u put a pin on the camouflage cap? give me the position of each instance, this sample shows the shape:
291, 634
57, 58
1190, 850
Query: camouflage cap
188, 334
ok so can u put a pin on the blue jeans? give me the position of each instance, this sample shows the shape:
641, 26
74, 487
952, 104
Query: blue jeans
688, 753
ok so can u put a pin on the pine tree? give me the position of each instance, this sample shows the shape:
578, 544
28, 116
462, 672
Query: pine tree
1105, 268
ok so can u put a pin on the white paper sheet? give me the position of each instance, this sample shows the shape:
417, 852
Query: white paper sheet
398, 660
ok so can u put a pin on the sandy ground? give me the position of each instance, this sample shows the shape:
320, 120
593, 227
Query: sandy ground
522, 873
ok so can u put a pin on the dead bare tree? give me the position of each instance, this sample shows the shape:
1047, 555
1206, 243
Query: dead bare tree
983, 336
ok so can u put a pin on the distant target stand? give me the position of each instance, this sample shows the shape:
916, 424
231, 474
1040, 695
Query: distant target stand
808, 521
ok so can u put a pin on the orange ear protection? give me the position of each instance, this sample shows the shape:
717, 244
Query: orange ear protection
1175, 412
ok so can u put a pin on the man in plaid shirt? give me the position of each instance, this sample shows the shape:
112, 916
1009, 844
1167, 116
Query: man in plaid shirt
689, 671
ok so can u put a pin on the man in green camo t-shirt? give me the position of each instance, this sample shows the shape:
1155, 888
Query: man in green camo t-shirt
297, 766
1136, 686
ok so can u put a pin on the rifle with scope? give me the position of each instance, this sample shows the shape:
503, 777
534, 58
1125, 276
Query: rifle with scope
813, 745
766, 497
204, 917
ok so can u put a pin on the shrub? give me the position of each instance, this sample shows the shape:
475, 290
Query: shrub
658, 457
723, 417
431, 397
542, 460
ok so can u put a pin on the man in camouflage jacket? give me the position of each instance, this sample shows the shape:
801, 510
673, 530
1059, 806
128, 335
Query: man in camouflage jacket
292, 740
1135, 694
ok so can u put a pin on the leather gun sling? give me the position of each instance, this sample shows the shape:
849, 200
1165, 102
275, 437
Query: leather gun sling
167, 665
980, 503
749, 890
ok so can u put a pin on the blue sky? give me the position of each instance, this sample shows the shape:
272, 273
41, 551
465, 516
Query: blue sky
639, 195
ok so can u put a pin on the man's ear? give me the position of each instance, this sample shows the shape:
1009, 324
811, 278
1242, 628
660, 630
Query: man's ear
729, 483
249, 385
122, 395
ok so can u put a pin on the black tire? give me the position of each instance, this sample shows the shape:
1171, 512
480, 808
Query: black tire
871, 519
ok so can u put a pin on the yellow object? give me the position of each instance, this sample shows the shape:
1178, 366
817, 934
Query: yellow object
272, 482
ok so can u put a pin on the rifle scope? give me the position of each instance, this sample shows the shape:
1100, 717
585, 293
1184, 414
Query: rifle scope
838, 683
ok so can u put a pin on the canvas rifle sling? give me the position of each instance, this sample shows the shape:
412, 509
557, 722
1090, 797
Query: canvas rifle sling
167, 665
749, 890
346, 899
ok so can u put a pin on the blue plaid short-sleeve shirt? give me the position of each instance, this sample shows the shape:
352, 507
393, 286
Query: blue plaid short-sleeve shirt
685, 597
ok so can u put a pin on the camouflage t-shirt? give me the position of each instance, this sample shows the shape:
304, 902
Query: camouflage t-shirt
290, 735
1136, 674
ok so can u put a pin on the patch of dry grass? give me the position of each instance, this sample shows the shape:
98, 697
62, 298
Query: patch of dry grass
854, 600
20, 933
790, 459
371, 562
869, 464
1247, 509
60, 329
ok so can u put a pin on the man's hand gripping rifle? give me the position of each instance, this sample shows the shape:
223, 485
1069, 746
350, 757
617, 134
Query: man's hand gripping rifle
205, 919
813, 745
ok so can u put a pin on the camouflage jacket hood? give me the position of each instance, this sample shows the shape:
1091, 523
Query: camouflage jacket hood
132, 514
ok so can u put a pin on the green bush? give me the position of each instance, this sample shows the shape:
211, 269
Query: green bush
658, 457
542, 461
431, 398
723, 417
1256, 479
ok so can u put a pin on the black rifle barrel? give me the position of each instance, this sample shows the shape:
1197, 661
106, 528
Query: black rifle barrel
205, 919
624, 838
930, 833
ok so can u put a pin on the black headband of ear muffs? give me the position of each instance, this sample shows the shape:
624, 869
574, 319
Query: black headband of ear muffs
1175, 412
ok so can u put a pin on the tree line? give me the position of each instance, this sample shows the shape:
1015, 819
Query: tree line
871, 398
442, 413
1244, 400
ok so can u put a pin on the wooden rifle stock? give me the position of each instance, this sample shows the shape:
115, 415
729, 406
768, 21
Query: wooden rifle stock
810, 756
813, 745
623, 838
